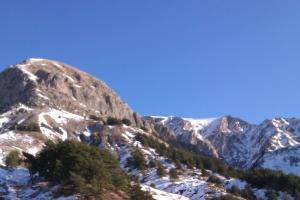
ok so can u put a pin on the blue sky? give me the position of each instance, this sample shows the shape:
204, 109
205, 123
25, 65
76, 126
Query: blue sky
196, 58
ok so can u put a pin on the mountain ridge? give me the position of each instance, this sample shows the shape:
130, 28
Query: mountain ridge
44, 100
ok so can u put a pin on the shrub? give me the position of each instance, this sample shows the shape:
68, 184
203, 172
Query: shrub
227, 197
214, 179
113, 121
13, 159
161, 171
96, 118
26, 127
271, 195
126, 122
235, 190
173, 174
137, 160
137, 194
152, 163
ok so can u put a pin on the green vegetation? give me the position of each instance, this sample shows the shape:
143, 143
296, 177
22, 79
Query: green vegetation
227, 197
161, 171
137, 194
96, 118
114, 121
137, 160
26, 127
82, 169
173, 174
271, 195
214, 179
235, 190
13, 159
258, 178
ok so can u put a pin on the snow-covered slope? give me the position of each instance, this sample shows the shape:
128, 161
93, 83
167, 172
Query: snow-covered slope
272, 144
44, 100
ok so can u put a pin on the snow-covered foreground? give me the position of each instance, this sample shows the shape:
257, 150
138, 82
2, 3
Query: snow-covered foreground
15, 184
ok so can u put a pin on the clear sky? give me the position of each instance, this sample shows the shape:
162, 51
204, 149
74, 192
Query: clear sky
195, 58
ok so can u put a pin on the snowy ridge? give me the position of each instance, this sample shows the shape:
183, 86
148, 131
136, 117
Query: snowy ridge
273, 144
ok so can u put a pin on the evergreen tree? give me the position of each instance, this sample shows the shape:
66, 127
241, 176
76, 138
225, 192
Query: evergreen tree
161, 171
137, 160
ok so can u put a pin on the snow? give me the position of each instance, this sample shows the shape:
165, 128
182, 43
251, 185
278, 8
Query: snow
30, 75
161, 195
3, 121
87, 133
288, 161
69, 77
33, 150
15, 184
35, 59
78, 86
57, 65
43, 96
62, 116
65, 134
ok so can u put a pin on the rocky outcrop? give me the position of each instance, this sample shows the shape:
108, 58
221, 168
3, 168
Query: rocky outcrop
46, 83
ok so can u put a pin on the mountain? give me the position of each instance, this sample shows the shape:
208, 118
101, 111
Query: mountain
52, 95
273, 144
43, 100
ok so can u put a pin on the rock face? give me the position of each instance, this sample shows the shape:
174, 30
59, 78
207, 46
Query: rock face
273, 144
45, 83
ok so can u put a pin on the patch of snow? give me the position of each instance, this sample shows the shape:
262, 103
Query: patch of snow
3, 121
35, 59
62, 116
43, 96
57, 65
161, 195
78, 86
30, 75
69, 77
65, 134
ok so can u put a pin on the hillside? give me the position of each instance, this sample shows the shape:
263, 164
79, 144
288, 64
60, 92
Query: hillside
171, 157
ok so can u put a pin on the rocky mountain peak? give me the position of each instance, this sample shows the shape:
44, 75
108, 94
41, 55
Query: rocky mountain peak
47, 83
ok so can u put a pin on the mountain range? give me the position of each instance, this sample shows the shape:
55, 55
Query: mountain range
43, 100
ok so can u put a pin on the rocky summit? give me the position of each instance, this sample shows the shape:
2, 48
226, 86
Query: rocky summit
42, 83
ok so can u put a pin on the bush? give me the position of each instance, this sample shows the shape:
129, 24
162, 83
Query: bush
152, 163
137, 160
227, 197
137, 194
235, 190
214, 179
161, 171
96, 118
113, 121
126, 122
271, 195
13, 159
26, 127
173, 174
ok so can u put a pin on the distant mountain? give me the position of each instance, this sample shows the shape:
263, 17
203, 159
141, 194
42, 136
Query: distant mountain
273, 144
